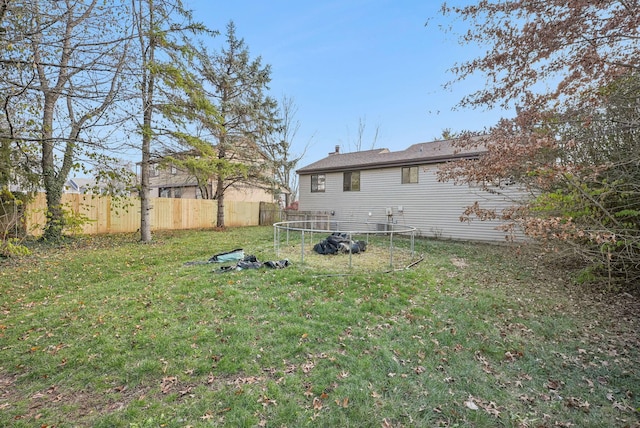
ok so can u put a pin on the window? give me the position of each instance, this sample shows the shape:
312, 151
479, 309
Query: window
174, 170
351, 181
317, 182
409, 174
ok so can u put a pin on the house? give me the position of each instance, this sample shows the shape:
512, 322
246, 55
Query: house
170, 181
92, 186
380, 186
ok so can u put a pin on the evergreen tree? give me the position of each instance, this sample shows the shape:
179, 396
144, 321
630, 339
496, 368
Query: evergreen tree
235, 85
163, 29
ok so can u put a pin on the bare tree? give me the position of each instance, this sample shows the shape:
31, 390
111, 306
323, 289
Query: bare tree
360, 136
65, 64
278, 148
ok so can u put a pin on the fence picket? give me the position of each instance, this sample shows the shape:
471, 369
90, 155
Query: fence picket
108, 215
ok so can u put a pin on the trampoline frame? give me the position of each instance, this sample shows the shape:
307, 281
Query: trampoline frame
349, 228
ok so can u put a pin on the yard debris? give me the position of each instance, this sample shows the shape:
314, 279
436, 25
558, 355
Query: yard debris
227, 256
410, 265
242, 262
339, 243
251, 262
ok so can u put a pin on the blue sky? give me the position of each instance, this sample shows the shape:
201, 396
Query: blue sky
352, 60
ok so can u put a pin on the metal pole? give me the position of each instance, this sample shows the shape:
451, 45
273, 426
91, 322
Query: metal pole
412, 243
302, 250
276, 247
350, 249
391, 248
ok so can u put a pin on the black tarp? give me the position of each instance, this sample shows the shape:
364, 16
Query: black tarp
339, 242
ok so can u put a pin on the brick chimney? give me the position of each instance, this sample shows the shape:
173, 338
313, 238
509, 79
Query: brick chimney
337, 151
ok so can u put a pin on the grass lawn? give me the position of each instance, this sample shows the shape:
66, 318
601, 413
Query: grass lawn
108, 332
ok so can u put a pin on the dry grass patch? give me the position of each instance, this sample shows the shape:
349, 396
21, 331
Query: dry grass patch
380, 256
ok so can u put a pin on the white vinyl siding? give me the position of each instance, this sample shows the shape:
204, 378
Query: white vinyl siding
431, 206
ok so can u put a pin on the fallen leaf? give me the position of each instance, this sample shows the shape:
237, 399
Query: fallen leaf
344, 403
317, 403
167, 383
620, 406
471, 405
266, 401
526, 399
553, 384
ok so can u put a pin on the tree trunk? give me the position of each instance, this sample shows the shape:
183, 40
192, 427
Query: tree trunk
145, 200
220, 196
148, 89
53, 189
55, 215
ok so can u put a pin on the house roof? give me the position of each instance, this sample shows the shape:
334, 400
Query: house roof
417, 154
80, 184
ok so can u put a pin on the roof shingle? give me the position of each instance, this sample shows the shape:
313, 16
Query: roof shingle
422, 153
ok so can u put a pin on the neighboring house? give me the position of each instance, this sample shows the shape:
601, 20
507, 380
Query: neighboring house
380, 186
84, 185
172, 182
91, 186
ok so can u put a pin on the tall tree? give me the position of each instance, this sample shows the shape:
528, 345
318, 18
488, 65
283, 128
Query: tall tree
278, 148
236, 86
63, 74
163, 29
567, 68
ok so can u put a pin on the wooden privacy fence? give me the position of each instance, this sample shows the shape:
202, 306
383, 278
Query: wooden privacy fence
107, 215
269, 213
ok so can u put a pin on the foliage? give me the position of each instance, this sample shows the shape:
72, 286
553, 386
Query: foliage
60, 79
12, 233
13, 247
236, 84
108, 332
571, 147
166, 85
74, 220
